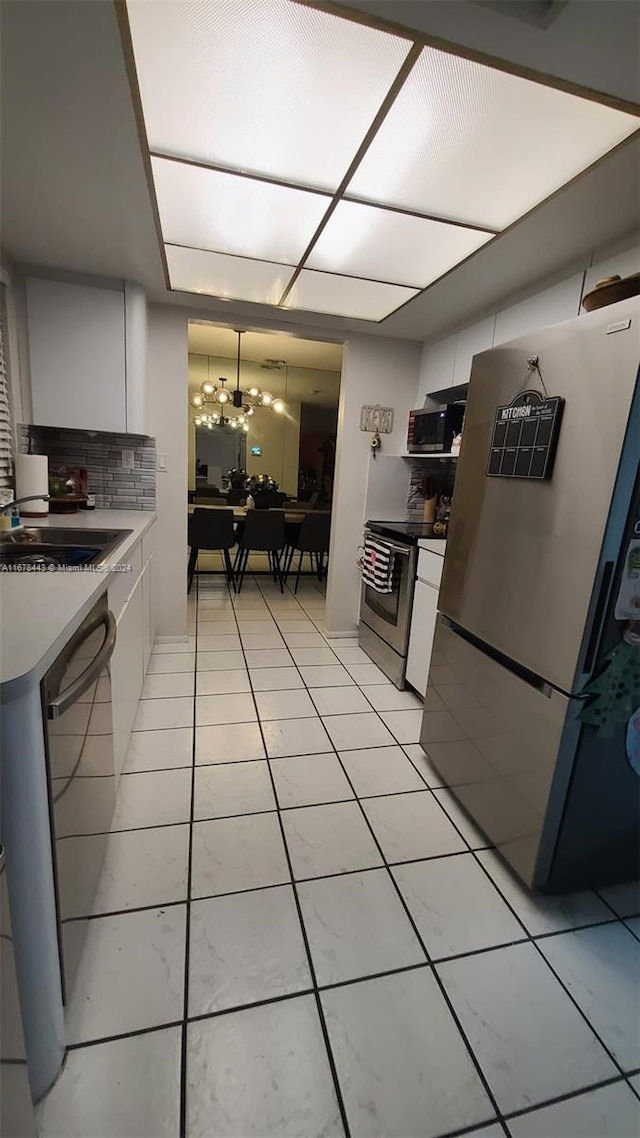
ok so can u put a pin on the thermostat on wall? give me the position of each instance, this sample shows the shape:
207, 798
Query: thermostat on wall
257, 451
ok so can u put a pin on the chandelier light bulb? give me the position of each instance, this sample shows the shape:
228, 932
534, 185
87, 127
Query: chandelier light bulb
245, 426
223, 396
210, 426
254, 392
278, 406
196, 400
207, 388
249, 411
266, 398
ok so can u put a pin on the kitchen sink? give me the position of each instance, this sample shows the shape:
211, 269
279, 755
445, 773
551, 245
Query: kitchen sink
51, 547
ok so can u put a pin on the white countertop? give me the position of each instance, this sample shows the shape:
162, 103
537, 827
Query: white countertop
433, 544
40, 611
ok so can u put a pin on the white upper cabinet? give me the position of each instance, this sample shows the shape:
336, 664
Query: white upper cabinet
477, 338
86, 355
552, 306
436, 367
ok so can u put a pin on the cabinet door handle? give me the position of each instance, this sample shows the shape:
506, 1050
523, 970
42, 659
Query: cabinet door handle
72, 694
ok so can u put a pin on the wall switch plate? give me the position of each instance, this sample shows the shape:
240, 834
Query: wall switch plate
162, 462
127, 459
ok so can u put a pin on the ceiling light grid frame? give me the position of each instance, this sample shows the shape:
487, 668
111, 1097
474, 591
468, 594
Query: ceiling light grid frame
328, 216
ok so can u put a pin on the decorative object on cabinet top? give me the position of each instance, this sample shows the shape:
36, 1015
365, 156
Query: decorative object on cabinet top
610, 290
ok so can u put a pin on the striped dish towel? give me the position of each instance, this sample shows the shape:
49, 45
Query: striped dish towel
377, 565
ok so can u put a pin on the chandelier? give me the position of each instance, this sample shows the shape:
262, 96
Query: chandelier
211, 404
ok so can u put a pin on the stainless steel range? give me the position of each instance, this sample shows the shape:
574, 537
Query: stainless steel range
385, 618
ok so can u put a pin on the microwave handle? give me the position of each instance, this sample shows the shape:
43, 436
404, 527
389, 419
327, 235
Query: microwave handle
71, 695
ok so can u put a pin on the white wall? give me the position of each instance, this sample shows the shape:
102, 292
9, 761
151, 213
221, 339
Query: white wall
167, 422
373, 371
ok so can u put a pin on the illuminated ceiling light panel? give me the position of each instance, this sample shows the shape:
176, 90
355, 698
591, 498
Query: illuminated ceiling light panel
266, 86
471, 143
230, 214
346, 296
230, 278
364, 241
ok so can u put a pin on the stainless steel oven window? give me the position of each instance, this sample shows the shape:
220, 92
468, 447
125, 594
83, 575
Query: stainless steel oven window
389, 614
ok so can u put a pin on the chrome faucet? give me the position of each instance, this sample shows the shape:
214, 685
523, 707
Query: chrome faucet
18, 502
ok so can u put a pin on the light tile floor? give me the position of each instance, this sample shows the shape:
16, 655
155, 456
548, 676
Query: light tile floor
299, 934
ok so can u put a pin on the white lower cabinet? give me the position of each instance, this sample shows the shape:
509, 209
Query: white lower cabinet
147, 622
126, 674
423, 624
130, 658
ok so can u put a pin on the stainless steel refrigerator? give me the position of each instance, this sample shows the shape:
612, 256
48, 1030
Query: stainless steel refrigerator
532, 712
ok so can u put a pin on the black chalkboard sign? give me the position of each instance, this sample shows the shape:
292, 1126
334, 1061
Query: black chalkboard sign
525, 436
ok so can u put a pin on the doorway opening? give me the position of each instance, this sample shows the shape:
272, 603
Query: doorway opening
273, 444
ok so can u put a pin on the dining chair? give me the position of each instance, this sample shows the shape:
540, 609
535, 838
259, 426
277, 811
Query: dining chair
263, 532
313, 538
211, 529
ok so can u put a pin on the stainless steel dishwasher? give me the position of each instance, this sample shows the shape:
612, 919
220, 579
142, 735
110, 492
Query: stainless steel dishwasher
76, 696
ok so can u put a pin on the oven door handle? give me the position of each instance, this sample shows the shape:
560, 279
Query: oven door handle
71, 695
403, 550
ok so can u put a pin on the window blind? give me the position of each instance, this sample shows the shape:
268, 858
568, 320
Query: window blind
6, 463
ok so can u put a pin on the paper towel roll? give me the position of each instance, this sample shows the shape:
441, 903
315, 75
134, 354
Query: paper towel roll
32, 477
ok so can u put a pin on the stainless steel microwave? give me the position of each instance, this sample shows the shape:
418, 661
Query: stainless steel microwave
432, 432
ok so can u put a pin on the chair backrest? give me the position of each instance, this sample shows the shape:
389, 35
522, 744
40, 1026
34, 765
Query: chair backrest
211, 529
208, 491
314, 498
201, 500
314, 533
267, 499
237, 497
263, 530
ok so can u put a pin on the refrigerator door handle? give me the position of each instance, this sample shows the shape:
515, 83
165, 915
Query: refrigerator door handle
598, 616
530, 678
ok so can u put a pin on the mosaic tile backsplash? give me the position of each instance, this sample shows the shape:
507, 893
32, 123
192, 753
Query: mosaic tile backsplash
100, 453
441, 472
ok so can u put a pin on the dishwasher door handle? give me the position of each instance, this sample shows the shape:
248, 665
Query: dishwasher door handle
72, 694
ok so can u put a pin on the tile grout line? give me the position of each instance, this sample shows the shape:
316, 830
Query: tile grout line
443, 992
187, 940
527, 936
312, 972
428, 960
624, 1077
533, 941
